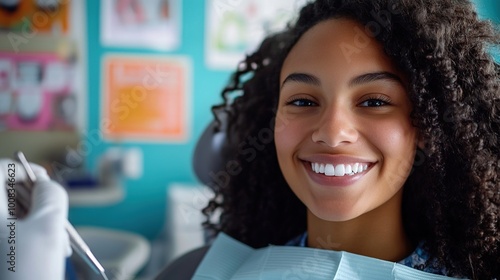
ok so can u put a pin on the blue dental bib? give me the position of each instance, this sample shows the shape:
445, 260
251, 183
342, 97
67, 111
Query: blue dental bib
231, 259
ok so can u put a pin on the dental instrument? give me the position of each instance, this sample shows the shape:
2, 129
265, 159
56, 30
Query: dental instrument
76, 241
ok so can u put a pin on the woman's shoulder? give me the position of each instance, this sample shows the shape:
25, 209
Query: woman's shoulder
421, 259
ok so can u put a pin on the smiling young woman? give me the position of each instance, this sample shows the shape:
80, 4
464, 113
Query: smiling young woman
342, 114
386, 136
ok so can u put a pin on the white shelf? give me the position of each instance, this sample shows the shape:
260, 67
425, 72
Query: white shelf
96, 196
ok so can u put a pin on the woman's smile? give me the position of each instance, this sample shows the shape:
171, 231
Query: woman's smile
335, 170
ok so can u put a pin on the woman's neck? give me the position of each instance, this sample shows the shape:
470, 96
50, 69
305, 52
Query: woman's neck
378, 233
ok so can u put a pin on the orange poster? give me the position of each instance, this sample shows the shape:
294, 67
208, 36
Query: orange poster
145, 98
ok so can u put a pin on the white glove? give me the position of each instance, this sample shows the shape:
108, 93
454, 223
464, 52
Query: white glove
36, 246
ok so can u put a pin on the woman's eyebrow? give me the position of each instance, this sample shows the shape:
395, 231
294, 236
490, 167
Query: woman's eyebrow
362, 79
375, 76
302, 78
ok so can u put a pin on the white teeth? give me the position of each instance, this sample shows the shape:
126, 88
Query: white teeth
348, 169
355, 168
339, 169
329, 170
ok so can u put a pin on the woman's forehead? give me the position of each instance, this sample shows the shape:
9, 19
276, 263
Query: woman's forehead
341, 46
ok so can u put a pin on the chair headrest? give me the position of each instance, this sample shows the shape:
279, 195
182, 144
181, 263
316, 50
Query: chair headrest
209, 158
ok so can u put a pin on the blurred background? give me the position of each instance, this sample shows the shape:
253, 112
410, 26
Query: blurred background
111, 97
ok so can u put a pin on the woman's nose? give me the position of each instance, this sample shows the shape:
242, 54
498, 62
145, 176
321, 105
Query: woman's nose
336, 127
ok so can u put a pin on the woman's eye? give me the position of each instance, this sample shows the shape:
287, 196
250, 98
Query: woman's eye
373, 103
302, 103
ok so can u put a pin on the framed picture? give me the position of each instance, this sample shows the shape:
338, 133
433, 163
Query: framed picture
146, 98
236, 27
150, 24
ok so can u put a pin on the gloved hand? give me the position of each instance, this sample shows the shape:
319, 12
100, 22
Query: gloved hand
36, 246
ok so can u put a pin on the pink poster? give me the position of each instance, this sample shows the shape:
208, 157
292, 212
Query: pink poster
35, 92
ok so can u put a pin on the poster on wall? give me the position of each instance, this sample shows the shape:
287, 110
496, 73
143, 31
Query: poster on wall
236, 27
145, 98
42, 76
49, 16
150, 24
36, 92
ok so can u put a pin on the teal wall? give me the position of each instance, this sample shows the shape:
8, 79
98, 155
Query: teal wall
143, 208
490, 9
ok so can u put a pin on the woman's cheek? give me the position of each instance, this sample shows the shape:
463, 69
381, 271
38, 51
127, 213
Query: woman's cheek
396, 141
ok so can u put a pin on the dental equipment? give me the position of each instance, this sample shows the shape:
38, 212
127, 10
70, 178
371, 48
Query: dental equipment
77, 243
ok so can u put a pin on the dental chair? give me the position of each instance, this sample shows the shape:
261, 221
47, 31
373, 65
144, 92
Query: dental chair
183, 267
209, 156
211, 153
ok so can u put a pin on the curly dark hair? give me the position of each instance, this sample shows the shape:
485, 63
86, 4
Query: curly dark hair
452, 197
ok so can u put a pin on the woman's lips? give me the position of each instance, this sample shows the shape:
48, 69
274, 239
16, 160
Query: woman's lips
336, 175
342, 169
